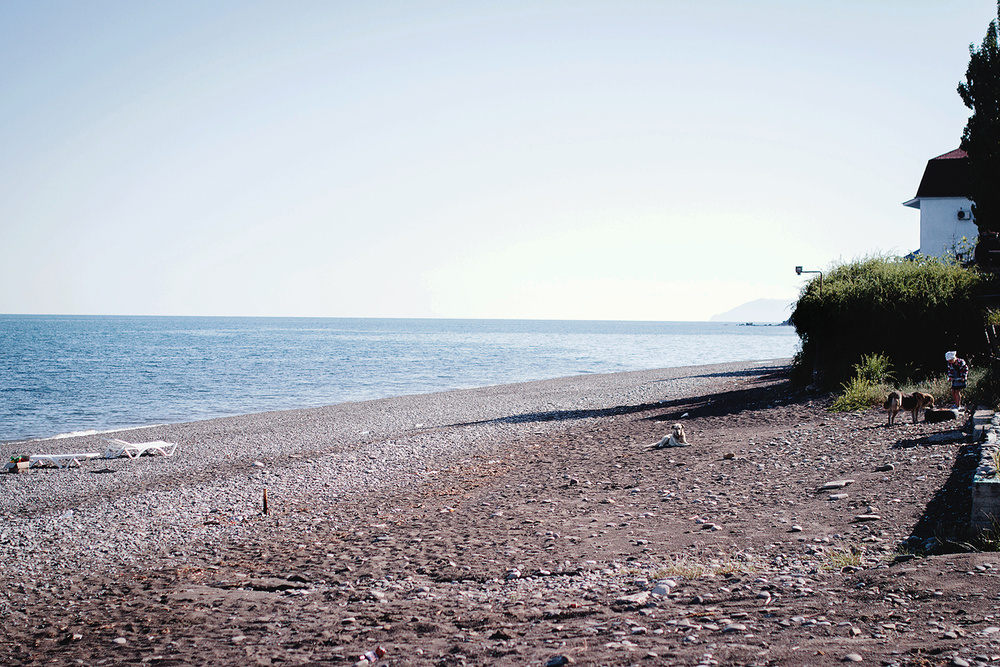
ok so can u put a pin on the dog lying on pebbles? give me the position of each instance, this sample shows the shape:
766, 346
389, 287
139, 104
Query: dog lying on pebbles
677, 438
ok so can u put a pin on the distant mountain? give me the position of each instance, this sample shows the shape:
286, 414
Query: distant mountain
761, 310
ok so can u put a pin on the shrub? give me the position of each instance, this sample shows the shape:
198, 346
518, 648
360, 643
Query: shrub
909, 311
874, 369
868, 386
859, 394
983, 388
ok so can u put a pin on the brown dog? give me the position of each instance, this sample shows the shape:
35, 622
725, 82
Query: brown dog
914, 403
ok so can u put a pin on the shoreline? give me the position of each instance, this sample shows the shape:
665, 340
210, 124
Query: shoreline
7, 446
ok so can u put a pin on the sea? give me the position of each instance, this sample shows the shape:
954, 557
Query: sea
66, 375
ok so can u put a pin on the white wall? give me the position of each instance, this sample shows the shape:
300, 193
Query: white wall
940, 229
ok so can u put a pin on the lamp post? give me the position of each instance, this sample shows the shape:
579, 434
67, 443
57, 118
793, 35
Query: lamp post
799, 272
816, 374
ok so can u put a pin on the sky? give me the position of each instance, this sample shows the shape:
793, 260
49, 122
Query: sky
620, 159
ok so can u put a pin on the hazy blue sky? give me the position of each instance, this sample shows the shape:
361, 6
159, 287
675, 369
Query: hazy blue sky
606, 160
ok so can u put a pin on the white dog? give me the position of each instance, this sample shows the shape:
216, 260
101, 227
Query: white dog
675, 439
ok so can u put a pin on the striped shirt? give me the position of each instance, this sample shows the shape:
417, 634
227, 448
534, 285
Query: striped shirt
958, 371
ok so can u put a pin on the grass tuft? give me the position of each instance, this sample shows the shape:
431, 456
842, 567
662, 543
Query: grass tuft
684, 567
838, 559
869, 385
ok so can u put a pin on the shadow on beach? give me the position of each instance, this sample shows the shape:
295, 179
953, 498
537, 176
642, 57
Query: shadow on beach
771, 384
943, 527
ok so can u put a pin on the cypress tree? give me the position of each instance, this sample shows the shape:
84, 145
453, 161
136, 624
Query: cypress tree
981, 138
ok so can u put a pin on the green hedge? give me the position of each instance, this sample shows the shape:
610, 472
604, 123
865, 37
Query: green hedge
911, 311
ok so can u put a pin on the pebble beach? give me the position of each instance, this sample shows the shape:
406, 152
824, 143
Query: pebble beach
528, 524
108, 513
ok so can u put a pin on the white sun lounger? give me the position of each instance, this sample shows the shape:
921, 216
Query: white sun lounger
60, 460
119, 448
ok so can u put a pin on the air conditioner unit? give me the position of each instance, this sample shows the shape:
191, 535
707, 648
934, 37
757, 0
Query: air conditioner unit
964, 215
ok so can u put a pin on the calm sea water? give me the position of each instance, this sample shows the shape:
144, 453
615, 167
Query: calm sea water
63, 374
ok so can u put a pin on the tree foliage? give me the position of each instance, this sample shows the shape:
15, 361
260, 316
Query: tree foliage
911, 312
981, 138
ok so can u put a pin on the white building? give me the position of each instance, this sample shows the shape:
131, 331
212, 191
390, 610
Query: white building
946, 224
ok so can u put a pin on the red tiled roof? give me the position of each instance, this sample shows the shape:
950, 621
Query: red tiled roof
956, 154
946, 176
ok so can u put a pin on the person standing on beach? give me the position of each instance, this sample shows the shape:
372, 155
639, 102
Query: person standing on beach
958, 373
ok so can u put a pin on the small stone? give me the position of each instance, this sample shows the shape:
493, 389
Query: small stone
729, 456
121, 641
795, 529
513, 574
661, 590
950, 634
558, 660
853, 657
837, 496
639, 630
735, 627
888, 467
959, 662
867, 517
636, 598
837, 484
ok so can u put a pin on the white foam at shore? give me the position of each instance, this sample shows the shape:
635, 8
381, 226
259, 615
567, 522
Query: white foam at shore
80, 434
